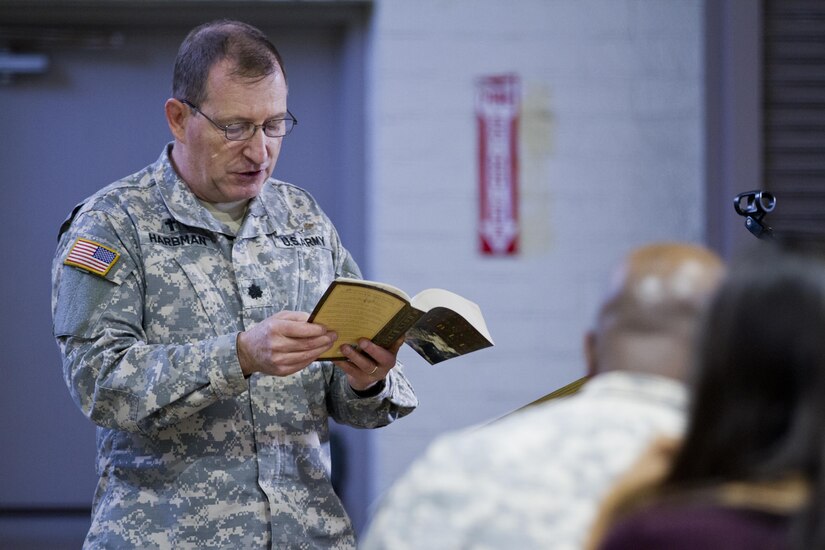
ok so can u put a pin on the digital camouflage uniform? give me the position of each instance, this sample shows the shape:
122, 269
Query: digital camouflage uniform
190, 453
533, 480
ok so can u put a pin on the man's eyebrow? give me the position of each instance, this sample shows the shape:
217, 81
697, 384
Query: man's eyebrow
231, 120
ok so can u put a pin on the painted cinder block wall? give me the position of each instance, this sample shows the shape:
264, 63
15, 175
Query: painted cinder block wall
611, 156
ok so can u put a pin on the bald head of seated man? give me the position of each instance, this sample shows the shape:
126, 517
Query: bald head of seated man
648, 317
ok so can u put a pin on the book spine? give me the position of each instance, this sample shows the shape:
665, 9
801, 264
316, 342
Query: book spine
400, 324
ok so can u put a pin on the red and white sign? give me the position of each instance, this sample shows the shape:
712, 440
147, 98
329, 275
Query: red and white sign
497, 112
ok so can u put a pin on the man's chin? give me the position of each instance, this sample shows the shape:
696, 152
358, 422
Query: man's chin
244, 188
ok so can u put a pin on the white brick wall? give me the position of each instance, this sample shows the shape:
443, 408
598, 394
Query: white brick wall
611, 157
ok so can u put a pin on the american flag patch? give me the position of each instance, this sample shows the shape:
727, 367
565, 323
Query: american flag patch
91, 256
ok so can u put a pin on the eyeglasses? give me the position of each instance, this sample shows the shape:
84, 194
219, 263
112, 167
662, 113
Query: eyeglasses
241, 131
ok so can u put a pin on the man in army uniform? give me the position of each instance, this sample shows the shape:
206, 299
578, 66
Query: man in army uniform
533, 479
179, 300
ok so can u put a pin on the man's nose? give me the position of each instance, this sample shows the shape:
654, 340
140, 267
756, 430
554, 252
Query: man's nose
257, 147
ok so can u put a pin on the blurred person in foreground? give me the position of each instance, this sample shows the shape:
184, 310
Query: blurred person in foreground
748, 474
534, 478
179, 300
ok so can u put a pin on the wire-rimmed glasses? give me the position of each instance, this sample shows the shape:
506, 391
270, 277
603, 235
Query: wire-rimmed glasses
241, 131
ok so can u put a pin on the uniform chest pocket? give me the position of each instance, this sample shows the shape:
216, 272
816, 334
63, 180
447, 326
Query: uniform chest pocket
189, 294
299, 267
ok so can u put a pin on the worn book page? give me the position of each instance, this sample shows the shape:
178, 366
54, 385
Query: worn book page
355, 311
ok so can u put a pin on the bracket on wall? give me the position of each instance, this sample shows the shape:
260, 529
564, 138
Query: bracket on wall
12, 63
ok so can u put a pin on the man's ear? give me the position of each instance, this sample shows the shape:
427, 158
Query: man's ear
177, 115
591, 355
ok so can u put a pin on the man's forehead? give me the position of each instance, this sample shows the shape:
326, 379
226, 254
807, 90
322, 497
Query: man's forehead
226, 88
227, 71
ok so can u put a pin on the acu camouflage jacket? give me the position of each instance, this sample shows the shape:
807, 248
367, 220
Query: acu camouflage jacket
149, 294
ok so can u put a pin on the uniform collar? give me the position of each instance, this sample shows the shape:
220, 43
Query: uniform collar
268, 213
639, 386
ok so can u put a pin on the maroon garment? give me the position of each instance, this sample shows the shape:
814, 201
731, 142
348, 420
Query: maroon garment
698, 526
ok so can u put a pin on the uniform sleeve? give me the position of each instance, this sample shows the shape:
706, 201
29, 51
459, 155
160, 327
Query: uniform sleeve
395, 401
345, 264
116, 378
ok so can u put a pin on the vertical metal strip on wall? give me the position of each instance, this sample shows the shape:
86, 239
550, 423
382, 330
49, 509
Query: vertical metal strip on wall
794, 113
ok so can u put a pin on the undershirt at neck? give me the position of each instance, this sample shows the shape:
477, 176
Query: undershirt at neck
229, 213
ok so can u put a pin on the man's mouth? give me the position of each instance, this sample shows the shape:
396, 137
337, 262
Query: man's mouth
251, 173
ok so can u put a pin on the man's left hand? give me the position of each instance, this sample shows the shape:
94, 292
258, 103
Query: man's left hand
368, 364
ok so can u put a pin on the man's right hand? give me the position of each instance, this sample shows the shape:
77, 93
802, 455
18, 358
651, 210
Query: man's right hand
282, 344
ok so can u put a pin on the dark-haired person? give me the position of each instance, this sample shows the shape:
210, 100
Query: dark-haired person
179, 300
748, 473
533, 479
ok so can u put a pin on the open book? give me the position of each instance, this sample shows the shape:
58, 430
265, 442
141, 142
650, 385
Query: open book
439, 324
